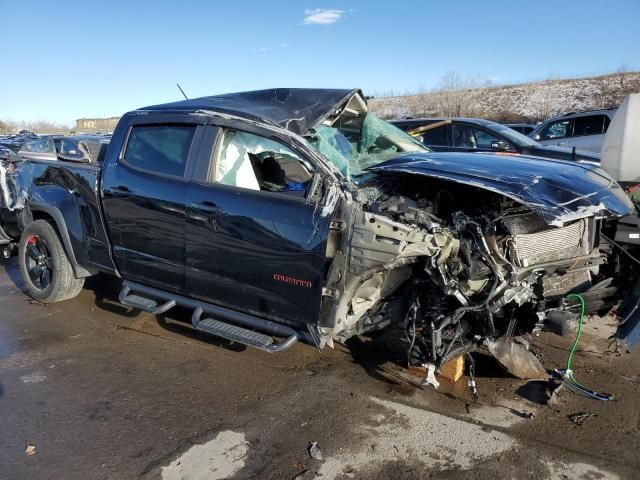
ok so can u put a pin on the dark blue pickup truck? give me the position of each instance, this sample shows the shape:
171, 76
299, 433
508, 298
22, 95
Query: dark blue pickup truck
290, 215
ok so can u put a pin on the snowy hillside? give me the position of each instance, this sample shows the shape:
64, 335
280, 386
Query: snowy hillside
530, 101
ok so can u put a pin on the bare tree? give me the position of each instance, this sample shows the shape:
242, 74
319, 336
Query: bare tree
456, 94
622, 75
35, 126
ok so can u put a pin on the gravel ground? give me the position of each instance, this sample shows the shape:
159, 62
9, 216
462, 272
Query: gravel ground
90, 389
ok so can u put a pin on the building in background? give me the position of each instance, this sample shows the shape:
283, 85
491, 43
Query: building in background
102, 125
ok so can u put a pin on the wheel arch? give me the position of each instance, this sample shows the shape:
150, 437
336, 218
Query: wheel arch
55, 217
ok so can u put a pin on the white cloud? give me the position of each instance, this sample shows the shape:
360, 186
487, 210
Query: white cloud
284, 45
322, 16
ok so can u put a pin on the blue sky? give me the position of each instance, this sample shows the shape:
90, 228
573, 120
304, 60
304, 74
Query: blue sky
62, 60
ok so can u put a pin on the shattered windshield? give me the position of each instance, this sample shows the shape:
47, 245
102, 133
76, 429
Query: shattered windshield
356, 143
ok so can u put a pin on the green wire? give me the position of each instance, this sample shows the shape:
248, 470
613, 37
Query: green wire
575, 342
569, 372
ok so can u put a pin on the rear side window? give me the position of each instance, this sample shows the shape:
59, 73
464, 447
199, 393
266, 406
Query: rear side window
41, 145
589, 125
160, 148
436, 137
553, 130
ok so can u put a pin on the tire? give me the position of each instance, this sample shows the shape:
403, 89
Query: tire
46, 270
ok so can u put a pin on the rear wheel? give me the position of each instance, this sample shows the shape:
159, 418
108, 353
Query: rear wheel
46, 270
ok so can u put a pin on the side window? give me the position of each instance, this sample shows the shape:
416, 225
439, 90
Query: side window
436, 137
254, 162
466, 136
160, 148
607, 121
484, 139
589, 125
41, 145
559, 129
463, 136
66, 146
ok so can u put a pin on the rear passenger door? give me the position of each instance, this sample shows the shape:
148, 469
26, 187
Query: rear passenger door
253, 242
588, 132
145, 195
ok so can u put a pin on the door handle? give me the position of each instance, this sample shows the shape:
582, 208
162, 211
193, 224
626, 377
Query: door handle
121, 191
206, 206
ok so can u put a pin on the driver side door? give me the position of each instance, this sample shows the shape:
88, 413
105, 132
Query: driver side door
254, 243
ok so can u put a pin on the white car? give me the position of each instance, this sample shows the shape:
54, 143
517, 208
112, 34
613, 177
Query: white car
584, 130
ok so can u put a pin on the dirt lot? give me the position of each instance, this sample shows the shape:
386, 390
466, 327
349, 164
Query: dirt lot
93, 390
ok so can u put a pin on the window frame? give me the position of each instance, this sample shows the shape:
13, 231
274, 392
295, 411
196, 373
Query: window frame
164, 121
210, 148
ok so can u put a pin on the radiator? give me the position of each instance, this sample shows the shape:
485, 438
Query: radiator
553, 244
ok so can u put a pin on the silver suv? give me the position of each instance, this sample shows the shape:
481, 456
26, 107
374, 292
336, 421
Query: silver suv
584, 130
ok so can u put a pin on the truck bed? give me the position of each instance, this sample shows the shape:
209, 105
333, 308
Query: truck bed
64, 193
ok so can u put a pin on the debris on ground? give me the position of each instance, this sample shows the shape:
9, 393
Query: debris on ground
30, 450
517, 359
314, 451
430, 377
523, 413
561, 322
581, 417
301, 474
453, 369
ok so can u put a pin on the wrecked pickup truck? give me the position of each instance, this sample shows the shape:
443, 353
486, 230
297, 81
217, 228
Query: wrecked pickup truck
290, 215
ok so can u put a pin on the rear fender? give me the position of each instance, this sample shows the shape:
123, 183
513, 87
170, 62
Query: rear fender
61, 227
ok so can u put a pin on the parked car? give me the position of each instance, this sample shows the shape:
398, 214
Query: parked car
297, 214
523, 128
14, 142
583, 130
478, 135
52, 147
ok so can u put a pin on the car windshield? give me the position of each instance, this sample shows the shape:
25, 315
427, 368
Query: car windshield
357, 143
515, 137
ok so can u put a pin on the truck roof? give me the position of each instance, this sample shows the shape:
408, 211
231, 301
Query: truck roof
295, 109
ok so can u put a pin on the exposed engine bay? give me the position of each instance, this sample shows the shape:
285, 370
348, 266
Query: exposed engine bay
455, 264
460, 265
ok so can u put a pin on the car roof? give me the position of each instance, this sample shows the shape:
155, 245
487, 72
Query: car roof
295, 109
588, 112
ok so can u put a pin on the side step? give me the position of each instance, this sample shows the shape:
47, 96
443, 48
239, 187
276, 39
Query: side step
239, 334
233, 325
143, 303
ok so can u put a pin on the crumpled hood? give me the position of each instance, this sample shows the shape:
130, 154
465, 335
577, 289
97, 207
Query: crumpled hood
559, 191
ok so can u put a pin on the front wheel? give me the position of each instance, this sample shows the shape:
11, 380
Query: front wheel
46, 270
